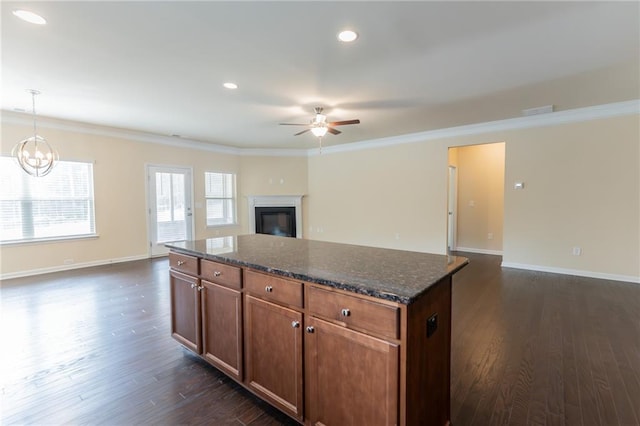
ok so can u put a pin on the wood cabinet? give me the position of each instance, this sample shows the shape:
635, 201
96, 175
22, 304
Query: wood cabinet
207, 310
352, 377
321, 355
222, 328
185, 310
273, 344
221, 305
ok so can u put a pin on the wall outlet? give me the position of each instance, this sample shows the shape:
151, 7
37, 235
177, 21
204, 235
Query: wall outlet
397, 235
577, 251
68, 261
472, 203
490, 236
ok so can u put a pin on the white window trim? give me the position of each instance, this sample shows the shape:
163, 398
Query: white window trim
233, 198
60, 238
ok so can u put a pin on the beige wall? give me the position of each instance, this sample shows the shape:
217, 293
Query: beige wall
582, 189
260, 175
120, 197
480, 171
389, 197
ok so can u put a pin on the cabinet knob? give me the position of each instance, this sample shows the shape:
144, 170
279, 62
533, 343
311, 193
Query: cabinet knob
217, 273
310, 330
268, 289
200, 288
295, 324
180, 263
193, 285
346, 312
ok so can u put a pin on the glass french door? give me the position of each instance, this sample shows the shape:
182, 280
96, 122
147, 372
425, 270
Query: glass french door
170, 207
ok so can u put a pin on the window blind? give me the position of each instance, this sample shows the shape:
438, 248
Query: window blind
220, 198
59, 205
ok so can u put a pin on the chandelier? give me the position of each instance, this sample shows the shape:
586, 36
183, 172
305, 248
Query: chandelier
34, 154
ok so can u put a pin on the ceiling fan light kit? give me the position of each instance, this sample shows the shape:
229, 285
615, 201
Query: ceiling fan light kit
319, 131
319, 125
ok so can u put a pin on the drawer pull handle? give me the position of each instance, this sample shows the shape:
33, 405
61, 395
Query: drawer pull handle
268, 289
310, 330
217, 273
295, 324
180, 263
346, 312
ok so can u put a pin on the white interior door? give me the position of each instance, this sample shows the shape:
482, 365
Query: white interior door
452, 209
170, 207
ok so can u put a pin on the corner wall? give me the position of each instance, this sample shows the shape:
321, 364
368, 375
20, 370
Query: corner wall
121, 200
582, 188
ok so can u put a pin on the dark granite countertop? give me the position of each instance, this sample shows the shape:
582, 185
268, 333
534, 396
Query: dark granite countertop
396, 275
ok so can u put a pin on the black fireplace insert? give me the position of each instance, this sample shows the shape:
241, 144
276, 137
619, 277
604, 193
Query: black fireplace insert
280, 221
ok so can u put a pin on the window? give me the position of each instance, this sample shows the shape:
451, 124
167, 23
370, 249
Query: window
220, 194
59, 205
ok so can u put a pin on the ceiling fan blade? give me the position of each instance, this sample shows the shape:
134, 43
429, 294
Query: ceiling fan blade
342, 123
304, 131
294, 124
333, 131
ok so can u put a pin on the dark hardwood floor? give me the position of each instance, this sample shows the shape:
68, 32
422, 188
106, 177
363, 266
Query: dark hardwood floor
92, 346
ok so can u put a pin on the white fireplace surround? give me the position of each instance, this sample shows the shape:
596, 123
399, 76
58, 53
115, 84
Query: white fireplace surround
275, 201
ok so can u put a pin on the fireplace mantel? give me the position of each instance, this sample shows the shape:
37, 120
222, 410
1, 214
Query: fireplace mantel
275, 201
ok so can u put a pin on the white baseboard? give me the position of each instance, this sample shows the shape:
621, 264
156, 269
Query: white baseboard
39, 271
479, 251
576, 272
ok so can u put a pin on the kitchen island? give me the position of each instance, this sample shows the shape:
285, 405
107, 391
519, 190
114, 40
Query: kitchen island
331, 334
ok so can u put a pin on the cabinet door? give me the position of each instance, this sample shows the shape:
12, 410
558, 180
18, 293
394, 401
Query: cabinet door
273, 354
185, 310
222, 328
352, 378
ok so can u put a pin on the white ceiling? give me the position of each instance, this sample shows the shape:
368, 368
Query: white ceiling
158, 67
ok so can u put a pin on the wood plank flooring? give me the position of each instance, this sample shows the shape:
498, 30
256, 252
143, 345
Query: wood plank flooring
92, 346
532, 348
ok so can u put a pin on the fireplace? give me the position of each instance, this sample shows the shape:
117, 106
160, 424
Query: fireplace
280, 221
276, 215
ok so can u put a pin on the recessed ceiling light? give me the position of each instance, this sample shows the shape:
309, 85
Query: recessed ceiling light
30, 17
347, 36
230, 85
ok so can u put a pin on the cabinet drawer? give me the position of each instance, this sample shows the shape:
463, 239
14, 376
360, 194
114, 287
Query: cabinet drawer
355, 312
273, 288
183, 263
219, 273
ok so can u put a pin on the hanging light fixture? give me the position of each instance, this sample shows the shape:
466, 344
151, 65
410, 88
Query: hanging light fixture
34, 154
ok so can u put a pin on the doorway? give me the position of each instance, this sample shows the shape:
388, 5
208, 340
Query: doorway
476, 198
169, 207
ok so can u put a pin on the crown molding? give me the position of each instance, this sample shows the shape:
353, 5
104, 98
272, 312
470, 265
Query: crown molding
616, 109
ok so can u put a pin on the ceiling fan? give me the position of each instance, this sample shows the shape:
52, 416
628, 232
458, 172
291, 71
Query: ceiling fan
319, 125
